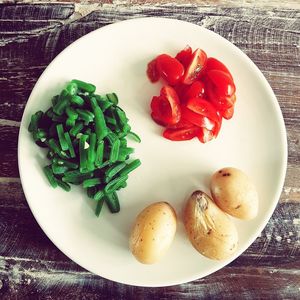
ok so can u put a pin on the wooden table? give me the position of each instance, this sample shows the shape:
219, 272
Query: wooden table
32, 34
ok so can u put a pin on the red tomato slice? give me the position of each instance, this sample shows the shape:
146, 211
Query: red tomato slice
221, 103
152, 71
183, 123
204, 108
185, 56
197, 119
205, 135
214, 64
169, 94
195, 90
165, 108
160, 109
182, 134
221, 83
169, 68
195, 66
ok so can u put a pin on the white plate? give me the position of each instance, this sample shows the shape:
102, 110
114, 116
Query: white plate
115, 58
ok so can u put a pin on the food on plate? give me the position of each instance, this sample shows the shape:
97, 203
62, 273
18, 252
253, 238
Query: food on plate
210, 230
153, 232
233, 191
198, 94
85, 135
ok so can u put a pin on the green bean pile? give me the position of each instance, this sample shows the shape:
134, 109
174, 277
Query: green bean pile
85, 135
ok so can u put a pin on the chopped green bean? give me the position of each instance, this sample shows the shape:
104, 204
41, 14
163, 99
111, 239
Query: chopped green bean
70, 145
60, 106
33, 125
92, 151
114, 184
99, 154
113, 98
130, 167
98, 195
54, 146
112, 202
61, 137
58, 169
114, 153
49, 174
91, 182
83, 152
72, 88
114, 170
64, 162
76, 129
65, 186
124, 153
120, 114
99, 206
100, 125
76, 99
84, 86
134, 136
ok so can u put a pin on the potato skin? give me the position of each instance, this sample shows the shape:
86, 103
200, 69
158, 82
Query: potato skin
153, 232
234, 193
209, 229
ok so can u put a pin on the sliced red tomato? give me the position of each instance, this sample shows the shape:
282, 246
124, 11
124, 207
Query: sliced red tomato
169, 68
185, 56
183, 123
195, 90
160, 109
197, 119
221, 83
205, 135
152, 71
181, 134
195, 66
221, 103
166, 107
214, 64
204, 108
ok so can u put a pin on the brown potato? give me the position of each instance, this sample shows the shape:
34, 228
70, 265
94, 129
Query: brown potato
209, 229
234, 193
153, 232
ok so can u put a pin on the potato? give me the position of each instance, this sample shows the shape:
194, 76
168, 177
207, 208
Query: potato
209, 229
234, 193
153, 232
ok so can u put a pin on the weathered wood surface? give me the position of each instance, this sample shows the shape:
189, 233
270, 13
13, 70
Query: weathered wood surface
32, 35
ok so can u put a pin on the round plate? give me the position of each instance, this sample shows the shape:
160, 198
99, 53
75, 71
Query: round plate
114, 58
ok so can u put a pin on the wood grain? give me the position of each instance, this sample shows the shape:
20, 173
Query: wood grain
294, 4
32, 35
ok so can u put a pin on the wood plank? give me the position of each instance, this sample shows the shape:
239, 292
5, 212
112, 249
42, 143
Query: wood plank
36, 12
248, 3
33, 278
